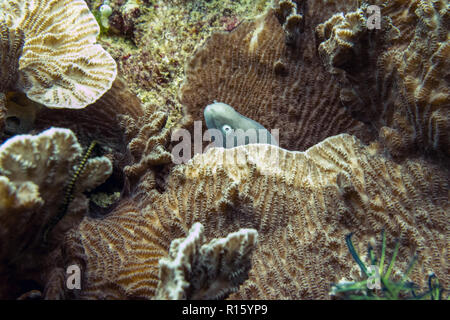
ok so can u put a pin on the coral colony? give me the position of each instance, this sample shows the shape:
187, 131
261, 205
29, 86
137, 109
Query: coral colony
270, 149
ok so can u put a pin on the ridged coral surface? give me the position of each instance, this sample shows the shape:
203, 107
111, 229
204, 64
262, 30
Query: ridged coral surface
205, 271
60, 65
397, 77
363, 116
265, 78
302, 209
34, 172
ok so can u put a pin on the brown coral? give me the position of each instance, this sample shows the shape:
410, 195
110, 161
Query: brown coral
11, 44
33, 170
60, 65
302, 209
397, 77
282, 86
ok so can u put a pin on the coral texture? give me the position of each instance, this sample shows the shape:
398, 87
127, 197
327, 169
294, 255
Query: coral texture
148, 138
274, 78
11, 43
102, 121
289, 13
397, 77
33, 171
362, 115
194, 270
60, 65
302, 205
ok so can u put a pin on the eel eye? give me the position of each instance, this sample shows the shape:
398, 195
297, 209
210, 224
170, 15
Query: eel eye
226, 128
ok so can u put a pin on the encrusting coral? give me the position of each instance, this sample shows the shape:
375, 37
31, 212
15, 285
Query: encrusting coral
33, 171
395, 77
211, 271
302, 204
272, 77
297, 76
52, 55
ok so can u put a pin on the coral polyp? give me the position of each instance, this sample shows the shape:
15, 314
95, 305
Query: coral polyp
111, 186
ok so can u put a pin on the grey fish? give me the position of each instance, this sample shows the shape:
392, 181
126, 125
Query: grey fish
235, 129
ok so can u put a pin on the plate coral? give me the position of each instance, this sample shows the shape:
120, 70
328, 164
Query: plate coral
92, 105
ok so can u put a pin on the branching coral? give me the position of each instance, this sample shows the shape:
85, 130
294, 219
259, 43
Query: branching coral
289, 13
33, 169
195, 270
148, 138
301, 204
59, 63
397, 77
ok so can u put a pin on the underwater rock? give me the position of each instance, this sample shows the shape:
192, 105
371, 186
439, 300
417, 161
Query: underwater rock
60, 66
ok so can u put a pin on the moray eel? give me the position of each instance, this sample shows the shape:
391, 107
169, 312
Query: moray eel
235, 129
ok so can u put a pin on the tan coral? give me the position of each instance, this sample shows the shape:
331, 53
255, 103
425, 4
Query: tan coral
11, 44
397, 77
281, 86
302, 205
2, 111
289, 13
194, 270
341, 33
101, 121
60, 65
34, 171
148, 144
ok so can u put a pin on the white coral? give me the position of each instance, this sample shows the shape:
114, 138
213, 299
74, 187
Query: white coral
60, 65
194, 270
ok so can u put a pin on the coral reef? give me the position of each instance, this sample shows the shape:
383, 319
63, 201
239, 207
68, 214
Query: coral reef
395, 78
11, 44
302, 206
272, 78
151, 45
364, 138
148, 138
59, 65
289, 13
194, 270
33, 169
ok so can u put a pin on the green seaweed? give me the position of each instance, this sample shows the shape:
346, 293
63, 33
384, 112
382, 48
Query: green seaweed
388, 289
104, 29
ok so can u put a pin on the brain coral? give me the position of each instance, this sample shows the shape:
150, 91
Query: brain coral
59, 63
396, 78
302, 204
33, 171
273, 76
